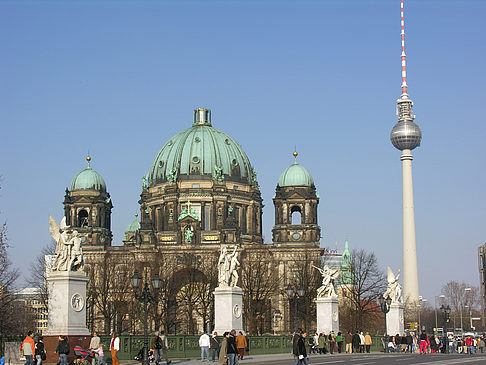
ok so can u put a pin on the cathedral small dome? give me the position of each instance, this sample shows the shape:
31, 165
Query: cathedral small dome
201, 152
295, 175
133, 227
88, 179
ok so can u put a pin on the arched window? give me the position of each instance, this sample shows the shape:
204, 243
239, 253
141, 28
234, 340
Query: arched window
83, 218
296, 215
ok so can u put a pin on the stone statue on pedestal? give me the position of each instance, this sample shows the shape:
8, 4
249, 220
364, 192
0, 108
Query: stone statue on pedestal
228, 265
69, 254
394, 289
327, 287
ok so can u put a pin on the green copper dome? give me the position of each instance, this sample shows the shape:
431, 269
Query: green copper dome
88, 179
201, 152
295, 175
133, 227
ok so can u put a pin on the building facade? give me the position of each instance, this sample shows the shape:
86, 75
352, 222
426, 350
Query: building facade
200, 194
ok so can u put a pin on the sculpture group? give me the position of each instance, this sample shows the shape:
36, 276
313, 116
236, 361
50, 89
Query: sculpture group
228, 265
394, 289
69, 253
329, 275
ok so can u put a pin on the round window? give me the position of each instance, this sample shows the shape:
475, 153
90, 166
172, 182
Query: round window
195, 159
296, 236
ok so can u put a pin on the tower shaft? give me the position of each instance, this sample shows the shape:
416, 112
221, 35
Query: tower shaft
410, 272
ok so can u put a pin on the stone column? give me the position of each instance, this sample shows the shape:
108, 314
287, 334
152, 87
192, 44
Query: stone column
327, 315
228, 309
394, 320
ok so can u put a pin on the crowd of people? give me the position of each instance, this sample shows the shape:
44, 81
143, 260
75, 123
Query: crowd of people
231, 348
228, 350
424, 343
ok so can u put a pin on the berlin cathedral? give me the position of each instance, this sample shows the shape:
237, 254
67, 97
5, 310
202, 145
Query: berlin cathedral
200, 194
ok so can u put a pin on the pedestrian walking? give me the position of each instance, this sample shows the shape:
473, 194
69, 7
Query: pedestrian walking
356, 341
423, 342
241, 344
94, 344
204, 345
231, 349
301, 350
63, 350
368, 342
214, 346
40, 352
339, 341
322, 343
349, 342
331, 338
223, 356
114, 348
100, 354
361, 342
28, 348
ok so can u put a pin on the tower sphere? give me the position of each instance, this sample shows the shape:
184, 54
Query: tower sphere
406, 135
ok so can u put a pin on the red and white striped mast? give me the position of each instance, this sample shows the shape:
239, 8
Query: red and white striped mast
406, 136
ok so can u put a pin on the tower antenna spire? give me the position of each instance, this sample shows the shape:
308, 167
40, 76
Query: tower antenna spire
404, 65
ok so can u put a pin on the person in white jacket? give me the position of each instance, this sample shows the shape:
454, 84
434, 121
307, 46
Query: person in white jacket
204, 345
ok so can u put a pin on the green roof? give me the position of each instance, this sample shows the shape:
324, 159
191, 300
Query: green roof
201, 152
133, 227
88, 179
295, 175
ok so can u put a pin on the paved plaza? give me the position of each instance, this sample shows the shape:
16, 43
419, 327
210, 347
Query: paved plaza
359, 359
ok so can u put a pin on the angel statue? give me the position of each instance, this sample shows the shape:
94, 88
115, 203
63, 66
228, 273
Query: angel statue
394, 289
69, 255
327, 287
227, 267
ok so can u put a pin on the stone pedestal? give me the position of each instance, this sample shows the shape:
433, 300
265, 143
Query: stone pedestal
394, 320
67, 304
228, 309
327, 315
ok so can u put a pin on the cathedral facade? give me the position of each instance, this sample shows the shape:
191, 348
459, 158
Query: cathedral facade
200, 194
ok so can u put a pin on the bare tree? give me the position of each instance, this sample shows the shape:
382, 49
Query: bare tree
8, 277
109, 291
458, 298
360, 310
304, 276
38, 278
260, 282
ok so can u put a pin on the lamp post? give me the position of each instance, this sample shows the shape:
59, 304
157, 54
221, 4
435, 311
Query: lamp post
435, 308
419, 306
293, 295
460, 309
385, 308
446, 313
145, 297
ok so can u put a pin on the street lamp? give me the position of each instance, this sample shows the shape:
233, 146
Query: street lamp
435, 308
145, 297
460, 309
446, 313
385, 308
293, 295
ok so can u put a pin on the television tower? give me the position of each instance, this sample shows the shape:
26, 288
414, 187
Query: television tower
405, 136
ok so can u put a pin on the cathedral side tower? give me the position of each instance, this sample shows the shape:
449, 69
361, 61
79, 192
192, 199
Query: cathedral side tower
87, 207
296, 204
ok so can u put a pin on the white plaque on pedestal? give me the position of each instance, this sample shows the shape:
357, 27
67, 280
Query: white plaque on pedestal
228, 309
327, 315
67, 303
394, 320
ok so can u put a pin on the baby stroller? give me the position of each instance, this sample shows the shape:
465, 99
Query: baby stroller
151, 355
83, 357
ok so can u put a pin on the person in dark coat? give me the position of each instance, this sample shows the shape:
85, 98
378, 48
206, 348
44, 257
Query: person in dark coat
356, 342
295, 341
301, 350
231, 349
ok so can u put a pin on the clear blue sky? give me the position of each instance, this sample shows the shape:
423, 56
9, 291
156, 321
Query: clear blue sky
119, 78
